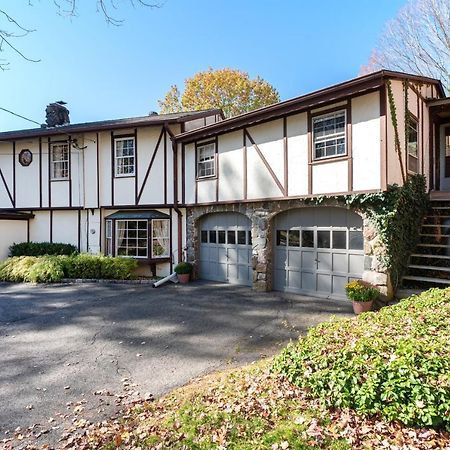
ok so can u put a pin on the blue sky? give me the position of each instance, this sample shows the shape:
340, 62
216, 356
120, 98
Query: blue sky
104, 72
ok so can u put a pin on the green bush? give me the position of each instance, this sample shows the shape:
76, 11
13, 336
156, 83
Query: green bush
41, 248
395, 362
183, 268
50, 269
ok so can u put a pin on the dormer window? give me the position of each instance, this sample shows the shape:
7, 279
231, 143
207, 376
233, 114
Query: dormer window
59, 161
124, 157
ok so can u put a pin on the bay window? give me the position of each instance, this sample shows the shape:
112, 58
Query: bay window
143, 234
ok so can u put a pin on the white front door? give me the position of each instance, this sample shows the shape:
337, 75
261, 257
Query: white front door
445, 157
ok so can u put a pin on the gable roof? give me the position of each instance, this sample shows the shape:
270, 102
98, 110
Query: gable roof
156, 119
302, 103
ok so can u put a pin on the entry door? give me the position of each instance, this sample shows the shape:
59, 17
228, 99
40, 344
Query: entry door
445, 157
226, 248
318, 251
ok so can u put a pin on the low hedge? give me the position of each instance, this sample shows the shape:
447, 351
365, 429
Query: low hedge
395, 362
41, 248
51, 269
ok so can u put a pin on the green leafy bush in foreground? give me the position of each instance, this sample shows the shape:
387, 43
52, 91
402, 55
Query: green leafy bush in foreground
41, 248
50, 269
395, 362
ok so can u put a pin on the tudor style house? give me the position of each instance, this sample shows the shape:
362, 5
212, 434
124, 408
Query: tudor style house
232, 195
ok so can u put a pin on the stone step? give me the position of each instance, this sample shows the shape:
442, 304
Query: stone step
427, 279
436, 268
422, 255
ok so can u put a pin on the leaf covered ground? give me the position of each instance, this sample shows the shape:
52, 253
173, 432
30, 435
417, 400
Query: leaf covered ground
249, 408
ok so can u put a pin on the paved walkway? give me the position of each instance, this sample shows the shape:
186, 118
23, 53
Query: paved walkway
60, 344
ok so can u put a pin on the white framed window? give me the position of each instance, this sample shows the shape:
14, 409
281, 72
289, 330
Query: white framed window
108, 238
124, 157
206, 160
59, 161
329, 138
160, 238
132, 238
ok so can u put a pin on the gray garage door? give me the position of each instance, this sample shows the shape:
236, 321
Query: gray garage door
226, 248
317, 251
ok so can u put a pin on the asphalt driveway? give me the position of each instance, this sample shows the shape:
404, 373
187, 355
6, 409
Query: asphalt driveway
76, 349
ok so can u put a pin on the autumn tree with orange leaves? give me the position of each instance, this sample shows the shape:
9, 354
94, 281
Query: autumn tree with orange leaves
231, 90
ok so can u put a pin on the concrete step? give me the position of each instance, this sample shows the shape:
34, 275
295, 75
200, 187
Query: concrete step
434, 245
421, 255
437, 268
427, 279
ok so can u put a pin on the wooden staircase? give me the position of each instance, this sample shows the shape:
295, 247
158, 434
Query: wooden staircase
429, 265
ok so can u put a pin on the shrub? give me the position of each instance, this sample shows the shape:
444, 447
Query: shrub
41, 248
395, 362
183, 268
360, 292
50, 269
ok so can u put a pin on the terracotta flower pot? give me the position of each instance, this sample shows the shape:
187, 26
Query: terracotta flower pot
183, 278
361, 307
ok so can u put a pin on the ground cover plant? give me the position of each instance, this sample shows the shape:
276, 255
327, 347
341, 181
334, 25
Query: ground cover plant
395, 362
51, 269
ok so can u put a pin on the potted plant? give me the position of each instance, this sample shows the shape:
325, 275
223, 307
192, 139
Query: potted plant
362, 295
183, 271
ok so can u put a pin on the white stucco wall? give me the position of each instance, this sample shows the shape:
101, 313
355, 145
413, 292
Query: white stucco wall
11, 231
330, 177
297, 133
366, 142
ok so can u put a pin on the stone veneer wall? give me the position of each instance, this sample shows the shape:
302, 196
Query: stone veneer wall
261, 214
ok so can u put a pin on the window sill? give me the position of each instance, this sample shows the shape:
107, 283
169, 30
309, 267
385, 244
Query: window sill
124, 176
329, 159
211, 177
59, 179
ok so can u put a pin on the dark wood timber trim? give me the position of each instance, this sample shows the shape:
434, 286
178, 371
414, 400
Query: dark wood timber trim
133, 206
216, 156
422, 130
264, 160
276, 199
245, 181
100, 232
69, 145
183, 173
49, 175
79, 230
310, 152
28, 230
149, 168
349, 145
112, 167
286, 157
196, 172
87, 230
136, 166
165, 165
7, 188
97, 161
170, 239
40, 172
14, 174
51, 225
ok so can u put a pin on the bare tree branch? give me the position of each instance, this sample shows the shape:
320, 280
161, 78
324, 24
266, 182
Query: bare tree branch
12, 29
417, 40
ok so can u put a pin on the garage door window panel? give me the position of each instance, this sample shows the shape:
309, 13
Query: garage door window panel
231, 237
221, 235
339, 240
294, 238
212, 237
323, 239
308, 238
282, 238
241, 237
204, 237
356, 240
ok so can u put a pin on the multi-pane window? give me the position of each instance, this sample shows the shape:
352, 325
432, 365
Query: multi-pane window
124, 157
329, 135
108, 238
160, 238
412, 137
132, 238
59, 161
206, 160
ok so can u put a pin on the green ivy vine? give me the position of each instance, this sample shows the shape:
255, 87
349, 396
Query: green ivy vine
396, 215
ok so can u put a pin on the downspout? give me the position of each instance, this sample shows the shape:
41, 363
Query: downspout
175, 194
